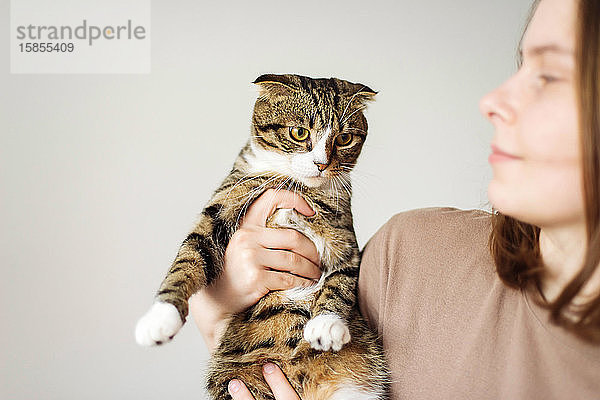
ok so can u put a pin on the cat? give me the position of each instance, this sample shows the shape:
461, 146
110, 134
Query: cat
306, 136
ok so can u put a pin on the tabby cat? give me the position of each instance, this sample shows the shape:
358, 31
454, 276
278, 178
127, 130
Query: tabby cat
306, 136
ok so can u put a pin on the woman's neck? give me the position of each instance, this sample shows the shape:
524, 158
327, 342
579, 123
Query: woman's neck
563, 252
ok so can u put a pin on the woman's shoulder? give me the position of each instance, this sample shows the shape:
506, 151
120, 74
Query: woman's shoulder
440, 217
432, 239
422, 254
438, 225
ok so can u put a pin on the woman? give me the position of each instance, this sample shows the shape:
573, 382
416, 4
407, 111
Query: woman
518, 319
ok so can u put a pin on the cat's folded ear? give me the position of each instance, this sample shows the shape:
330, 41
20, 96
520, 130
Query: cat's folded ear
275, 84
362, 92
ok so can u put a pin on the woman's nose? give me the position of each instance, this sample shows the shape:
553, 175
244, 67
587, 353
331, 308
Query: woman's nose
496, 107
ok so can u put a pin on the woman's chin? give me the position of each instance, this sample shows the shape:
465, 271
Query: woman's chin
507, 201
499, 197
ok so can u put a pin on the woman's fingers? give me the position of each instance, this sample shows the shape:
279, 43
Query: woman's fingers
288, 239
279, 384
275, 280
238, 390
281, 388
271, 200
288, 261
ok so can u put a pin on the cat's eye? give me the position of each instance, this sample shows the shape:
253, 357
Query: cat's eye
343, 139
299, 134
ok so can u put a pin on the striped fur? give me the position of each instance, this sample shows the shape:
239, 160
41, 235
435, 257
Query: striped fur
274, 329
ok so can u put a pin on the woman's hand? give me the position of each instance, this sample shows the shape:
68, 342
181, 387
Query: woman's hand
257, 260
277, 381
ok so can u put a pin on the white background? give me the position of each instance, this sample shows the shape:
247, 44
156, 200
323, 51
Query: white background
102, 176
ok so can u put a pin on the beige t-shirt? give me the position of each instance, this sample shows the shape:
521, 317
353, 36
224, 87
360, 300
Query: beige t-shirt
451, 329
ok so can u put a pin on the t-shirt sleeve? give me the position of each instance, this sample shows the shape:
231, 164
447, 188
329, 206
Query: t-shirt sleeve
372, 280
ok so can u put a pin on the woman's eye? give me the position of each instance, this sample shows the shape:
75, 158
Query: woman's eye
343, 139
299, 134
547, 79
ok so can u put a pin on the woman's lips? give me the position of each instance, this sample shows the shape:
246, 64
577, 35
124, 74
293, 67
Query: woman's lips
500, 156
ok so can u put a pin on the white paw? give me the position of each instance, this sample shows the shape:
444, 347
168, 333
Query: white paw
158, 325
326, 331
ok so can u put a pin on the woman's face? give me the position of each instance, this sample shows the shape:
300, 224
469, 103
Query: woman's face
536, 158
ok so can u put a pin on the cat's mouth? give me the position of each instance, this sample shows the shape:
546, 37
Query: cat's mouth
312, 174
319, 179
313, 181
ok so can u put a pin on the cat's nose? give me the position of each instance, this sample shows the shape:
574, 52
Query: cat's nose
321, 166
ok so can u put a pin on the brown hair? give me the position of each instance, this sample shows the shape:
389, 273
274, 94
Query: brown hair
515, 244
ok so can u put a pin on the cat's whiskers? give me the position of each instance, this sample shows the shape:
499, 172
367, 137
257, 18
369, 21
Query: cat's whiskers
340, 194
357, 176
358, 182
349, 102
241, 181
350, 128
334, 193
350, 168
253, 194
290, 184
353, 112
346, 184
361, 181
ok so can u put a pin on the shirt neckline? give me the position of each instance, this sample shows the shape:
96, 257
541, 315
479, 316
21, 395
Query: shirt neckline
587, 350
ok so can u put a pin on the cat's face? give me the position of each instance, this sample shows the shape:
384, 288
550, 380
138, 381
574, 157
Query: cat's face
309, 129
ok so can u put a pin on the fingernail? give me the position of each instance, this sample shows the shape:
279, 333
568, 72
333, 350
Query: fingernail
234, 386
269, 368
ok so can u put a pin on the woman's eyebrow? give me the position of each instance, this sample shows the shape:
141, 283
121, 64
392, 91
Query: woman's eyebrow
537, 51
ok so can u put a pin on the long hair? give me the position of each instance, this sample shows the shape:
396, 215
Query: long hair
514, 244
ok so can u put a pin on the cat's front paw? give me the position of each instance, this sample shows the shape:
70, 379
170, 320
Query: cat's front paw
158, 325
326, 331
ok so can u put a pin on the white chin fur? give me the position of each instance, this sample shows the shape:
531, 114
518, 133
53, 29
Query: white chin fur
314, 182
